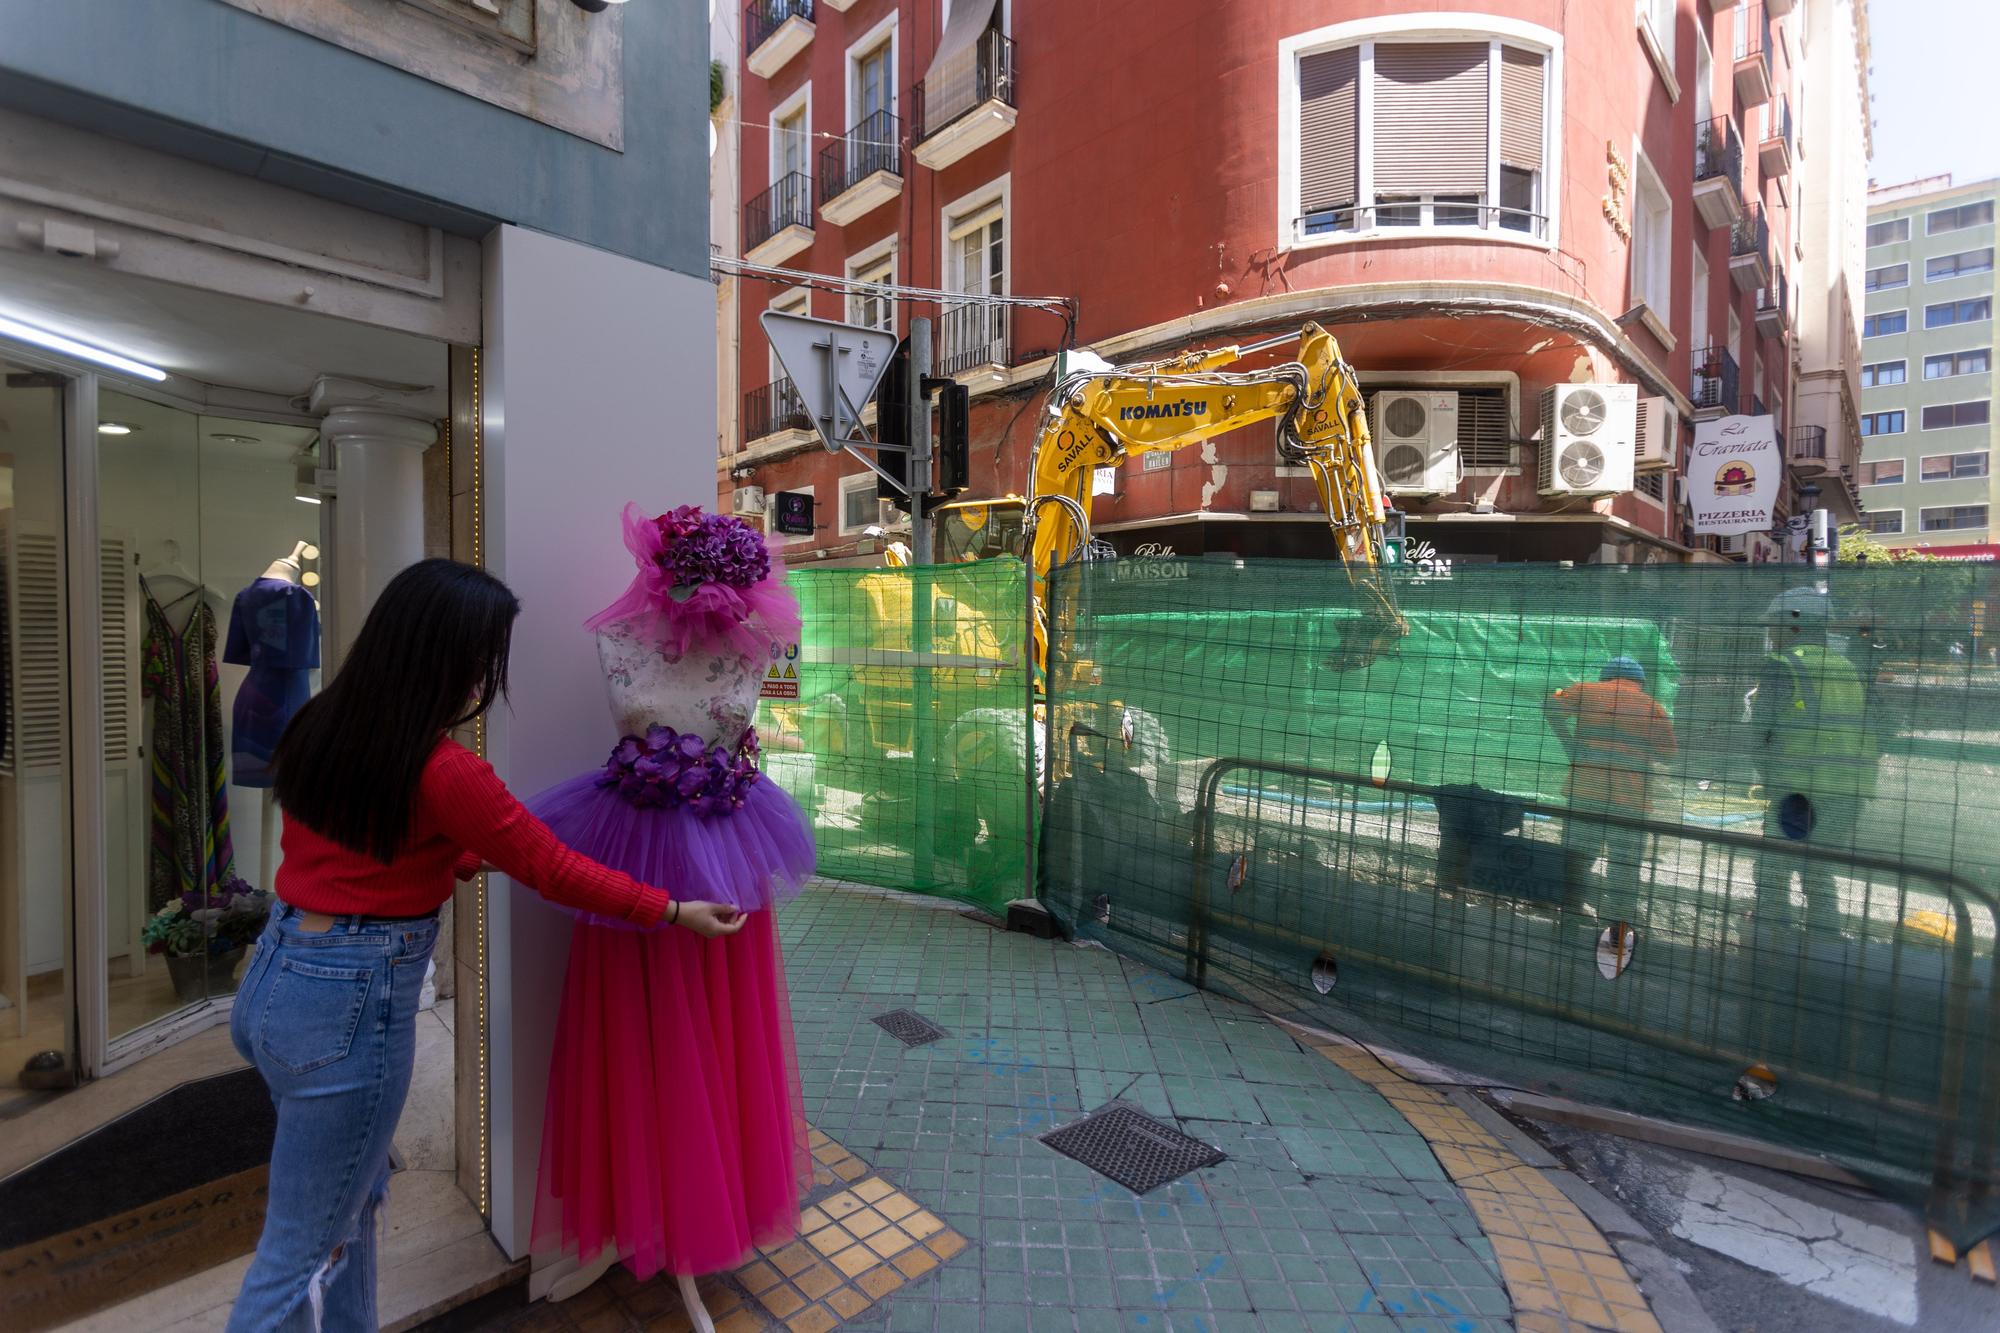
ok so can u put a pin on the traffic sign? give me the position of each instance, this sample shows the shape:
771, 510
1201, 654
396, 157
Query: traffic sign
835, 369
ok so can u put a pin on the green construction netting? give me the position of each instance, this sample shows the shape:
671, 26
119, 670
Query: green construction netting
912, 765
1777, 921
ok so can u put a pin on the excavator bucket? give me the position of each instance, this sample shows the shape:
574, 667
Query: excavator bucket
1367, 640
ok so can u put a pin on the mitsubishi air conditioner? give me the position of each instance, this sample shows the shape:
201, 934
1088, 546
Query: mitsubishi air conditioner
1589, 438
1656, 434
748, 502
1416, 441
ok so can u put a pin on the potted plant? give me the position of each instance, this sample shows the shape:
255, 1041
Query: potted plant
204, 936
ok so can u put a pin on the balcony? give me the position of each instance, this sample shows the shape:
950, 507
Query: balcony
1715, 381
1753, 57
778, 223
863, 171
967, 104
1750, 251
972, 339
1777, 9
772, 409
1774, 308
774, 32
1718, 173
1774, 154
1807, 451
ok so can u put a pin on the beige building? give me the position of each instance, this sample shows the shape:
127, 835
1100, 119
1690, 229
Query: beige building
1833, 143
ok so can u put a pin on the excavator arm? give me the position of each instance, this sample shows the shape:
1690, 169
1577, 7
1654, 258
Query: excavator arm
1098, 420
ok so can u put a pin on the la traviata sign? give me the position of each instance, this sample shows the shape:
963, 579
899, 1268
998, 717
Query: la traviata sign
1732, 479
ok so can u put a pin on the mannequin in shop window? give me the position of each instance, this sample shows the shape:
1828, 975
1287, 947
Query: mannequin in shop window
274, 631
674, 1139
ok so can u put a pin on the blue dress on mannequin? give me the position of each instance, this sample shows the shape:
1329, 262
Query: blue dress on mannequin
273, 630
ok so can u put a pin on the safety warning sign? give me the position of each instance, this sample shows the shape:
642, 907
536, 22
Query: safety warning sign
781, 681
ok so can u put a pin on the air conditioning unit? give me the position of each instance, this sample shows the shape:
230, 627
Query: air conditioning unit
1416, 441
1735, 545
1657, 436
1589, 438
748, 502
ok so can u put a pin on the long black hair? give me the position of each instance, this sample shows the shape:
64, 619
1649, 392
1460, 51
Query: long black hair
432, 656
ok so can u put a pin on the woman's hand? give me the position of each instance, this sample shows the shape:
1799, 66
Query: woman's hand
709, 920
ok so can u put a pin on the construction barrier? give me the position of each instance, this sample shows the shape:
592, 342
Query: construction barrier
907, 743
1754, 892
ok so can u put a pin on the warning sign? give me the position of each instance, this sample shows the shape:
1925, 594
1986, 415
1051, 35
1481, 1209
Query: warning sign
781, 681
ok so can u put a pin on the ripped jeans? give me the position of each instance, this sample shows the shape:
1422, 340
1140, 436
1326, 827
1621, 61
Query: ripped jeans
329, 1019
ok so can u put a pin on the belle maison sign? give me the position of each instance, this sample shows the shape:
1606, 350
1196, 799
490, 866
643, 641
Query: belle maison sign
543, 59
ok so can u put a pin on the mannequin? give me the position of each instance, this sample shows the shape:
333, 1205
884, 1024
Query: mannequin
273, 630
674, 1137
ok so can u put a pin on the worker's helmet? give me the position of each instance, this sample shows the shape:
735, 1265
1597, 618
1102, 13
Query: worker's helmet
1623, 668
1807, 608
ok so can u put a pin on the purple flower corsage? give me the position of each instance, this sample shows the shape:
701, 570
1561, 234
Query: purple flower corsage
666, 769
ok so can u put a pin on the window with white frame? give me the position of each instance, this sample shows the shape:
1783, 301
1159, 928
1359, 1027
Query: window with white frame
1947, 365
1883, 472
1658, 18
1887, 277
860, 504
1951, 416
790, 145
1652, 240
1888, 232
1975, 311
974, 333
1959, 265
793, 302
1951, 518
873, 138
1886, 323
1878, 373
1883, 522
1953, 467
874, 310
1405, 131
1958, 219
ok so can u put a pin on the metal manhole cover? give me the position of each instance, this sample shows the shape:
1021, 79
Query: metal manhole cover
1124, 1144
909, 1027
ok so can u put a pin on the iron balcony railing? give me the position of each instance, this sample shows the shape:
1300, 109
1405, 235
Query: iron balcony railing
983, 74
1808, 444
788, 203
1780, 124
971, 336
771, 408
1753, 35
1752, 235
1718, 153
1715, 378
1776, 299
876, 144
765, 17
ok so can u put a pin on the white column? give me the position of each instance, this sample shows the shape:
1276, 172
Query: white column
373, 440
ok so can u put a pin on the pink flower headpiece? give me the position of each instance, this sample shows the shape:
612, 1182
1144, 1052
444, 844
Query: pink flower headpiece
703, 577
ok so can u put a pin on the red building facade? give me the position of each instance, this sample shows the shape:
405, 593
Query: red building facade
1481, 204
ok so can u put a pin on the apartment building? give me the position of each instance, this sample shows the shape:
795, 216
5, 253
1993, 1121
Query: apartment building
1927, 364
1489, 208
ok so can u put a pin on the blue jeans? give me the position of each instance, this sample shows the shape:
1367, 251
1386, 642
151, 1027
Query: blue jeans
329, 1019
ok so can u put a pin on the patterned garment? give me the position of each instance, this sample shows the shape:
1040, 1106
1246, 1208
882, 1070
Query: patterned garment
191, 848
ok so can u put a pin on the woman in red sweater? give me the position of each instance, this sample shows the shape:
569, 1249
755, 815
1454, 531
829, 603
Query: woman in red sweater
383, 810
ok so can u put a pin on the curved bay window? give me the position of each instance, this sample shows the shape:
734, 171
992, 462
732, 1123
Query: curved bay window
1444, 132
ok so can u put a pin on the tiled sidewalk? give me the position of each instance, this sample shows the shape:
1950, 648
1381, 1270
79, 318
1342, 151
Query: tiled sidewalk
1330, 1213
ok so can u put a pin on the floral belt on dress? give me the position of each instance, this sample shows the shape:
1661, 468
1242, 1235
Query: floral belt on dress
667, 769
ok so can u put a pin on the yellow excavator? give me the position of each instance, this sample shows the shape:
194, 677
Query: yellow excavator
1101, 416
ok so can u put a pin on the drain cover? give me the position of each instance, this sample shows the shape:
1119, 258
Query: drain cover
1125, 1144
909, 1027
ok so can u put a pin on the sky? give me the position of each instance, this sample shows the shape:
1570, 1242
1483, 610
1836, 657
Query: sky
1935, 63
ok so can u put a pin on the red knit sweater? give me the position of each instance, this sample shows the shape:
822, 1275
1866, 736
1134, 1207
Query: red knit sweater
464, 817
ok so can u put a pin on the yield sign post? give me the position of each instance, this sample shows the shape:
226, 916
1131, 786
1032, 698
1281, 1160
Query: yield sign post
835, 369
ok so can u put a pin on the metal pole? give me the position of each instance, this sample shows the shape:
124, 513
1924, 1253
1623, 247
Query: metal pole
919, 470
922, 585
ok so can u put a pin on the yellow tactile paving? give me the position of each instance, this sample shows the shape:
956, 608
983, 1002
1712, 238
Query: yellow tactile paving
855, 1247
1561, 1273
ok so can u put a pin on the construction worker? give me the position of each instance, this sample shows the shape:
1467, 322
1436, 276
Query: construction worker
1613, 732
1816, 755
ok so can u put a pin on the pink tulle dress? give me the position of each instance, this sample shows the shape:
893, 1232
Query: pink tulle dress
673, 1129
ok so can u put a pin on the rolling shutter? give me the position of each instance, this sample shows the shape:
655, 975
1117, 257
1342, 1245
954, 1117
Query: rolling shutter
1329, 128
1522, 76
1430, 118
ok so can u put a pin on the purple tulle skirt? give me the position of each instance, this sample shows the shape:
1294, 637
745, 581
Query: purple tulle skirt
752, 858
